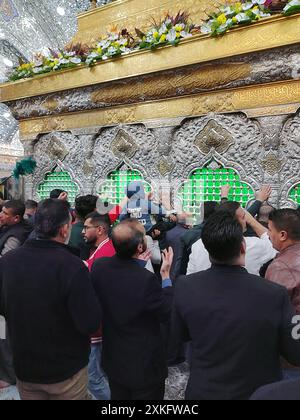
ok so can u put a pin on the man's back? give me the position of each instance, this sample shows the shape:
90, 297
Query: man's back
239, 325
133, 306
51, 309
173, 237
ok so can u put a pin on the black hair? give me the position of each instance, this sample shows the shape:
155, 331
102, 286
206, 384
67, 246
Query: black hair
31, 204
56, 193
230, 206
210, 207
50, 216
85, 205
17, 207
100, 219
222, 236
287, 220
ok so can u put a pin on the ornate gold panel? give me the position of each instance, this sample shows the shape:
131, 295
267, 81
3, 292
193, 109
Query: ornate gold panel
246, 98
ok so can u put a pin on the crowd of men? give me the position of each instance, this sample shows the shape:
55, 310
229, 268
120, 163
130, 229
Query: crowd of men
99, 300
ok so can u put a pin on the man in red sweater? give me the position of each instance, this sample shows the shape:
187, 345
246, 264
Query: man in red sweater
96, 234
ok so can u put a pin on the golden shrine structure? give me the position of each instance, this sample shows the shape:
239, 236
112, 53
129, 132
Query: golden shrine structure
216, 107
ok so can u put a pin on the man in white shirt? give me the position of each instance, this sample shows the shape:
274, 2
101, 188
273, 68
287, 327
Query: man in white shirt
259, 250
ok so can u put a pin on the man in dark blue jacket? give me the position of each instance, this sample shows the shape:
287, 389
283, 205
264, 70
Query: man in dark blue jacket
238, 324
134, 303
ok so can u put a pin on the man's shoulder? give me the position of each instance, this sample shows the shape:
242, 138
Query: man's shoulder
248, 281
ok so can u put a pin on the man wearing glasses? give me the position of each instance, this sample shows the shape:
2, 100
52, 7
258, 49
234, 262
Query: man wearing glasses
96, 234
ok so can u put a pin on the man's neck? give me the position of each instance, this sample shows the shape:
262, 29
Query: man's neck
288, 244
59, 240
100, 240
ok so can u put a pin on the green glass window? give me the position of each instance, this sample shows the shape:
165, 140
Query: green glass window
295, 194
113, 190
205, 185
58, 180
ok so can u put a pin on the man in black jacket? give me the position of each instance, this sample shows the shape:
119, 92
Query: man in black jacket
50, 307
13, 233
134, 303
239, 324
14, 229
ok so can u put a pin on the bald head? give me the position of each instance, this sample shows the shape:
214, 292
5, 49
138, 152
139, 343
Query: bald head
265, 212
129, 239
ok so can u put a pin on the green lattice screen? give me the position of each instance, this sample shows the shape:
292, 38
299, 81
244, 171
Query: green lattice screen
58, 180
113, 190
205, 185
295, 194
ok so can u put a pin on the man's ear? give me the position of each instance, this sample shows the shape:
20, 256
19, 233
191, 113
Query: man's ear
243, 247
18, 219
140, 249
63, 231
283, 236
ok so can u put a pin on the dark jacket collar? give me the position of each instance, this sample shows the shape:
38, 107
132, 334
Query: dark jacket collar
232, 268
48, 244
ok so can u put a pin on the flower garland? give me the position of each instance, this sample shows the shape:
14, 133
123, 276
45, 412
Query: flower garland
70, 57
292, 8
237, 14
114, 45
169, 31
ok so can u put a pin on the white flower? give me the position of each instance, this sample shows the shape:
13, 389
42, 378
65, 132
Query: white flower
111, 51
114, 37
104, 44
168, 21
93, 55
223, 27
123, 41
64, 61
247, 6
206, 29
172, 35
242, 17
184, 34
163, 29
227, 10
104, 57
75, 60
37, 70
259, 2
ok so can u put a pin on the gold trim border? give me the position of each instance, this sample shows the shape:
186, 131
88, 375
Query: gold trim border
264, 35
267, 99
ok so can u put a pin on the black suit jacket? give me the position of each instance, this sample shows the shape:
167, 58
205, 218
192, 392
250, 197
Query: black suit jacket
280, 391
239, 325
134, 304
